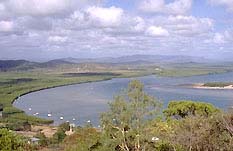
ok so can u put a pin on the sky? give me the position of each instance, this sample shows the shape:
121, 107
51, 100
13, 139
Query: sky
49, 29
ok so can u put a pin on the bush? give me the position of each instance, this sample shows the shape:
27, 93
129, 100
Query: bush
44, 141
9, 141
59, 136
19, 126
83, 139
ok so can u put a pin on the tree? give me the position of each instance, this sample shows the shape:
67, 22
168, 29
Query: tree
124, 124
181, 109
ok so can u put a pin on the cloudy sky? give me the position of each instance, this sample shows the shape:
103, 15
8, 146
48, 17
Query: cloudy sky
48, 29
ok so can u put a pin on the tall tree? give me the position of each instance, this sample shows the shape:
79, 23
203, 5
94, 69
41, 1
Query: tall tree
124, 124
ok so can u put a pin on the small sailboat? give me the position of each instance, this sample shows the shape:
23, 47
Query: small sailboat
29, 109
73, 119
61, 118
49, 114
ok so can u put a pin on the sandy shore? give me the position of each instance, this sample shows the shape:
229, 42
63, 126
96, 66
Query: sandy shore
201, 86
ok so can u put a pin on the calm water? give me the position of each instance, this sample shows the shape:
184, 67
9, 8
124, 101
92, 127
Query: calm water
86, 101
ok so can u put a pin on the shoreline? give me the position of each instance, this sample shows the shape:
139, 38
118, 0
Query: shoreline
51, 87
69, 84
195, 86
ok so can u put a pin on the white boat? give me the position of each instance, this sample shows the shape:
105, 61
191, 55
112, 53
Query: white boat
61, 118
36, 113
49, 114
74, 119
30, 109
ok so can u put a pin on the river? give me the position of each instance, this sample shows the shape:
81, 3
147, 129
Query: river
82, 102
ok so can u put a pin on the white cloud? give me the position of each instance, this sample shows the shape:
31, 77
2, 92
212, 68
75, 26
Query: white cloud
228, 34
226, 3
189, 25
157, 31
218, 38
222, 37
179, 6
2, 7
45, 8
77, 15
6, 26
57, 39
159, 6
98, 29
140, 24
152, 5
105, 16
37, 7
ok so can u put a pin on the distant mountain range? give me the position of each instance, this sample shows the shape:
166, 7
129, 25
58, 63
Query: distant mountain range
6, 65
140, 58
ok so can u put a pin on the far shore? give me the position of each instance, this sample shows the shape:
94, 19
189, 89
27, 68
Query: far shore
201, 86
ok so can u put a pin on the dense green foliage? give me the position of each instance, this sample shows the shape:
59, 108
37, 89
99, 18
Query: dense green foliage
186, 108
9, 141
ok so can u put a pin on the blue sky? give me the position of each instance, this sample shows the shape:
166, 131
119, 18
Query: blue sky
42, 29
